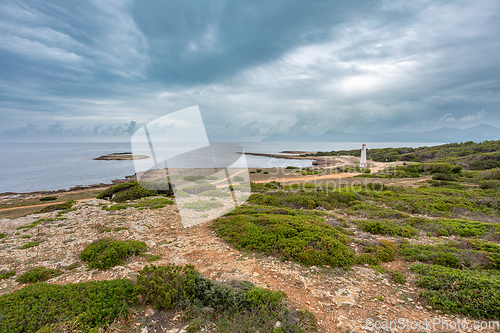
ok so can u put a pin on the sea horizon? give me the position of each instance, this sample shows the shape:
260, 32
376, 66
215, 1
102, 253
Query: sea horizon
51, 166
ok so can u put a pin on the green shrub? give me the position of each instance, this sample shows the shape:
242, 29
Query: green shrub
312, 199
38, 274
489, 184
133, 193
29, 245
145, 203
165, 286
450, 254
34, 223
3, 235
6, 274
108, 193
236, 306
239, 178
375, 212
49, 198
263, 298
447, 227
366, 259
216, 194
386, 251
398, 277
154, 257
305, 239
116, 207
62, 206
491, 174
386, 227
443, 176
257, 209
86, 305
73, 266
465, 292
197, 189
202, 205
135, 190
106, 252
193, 178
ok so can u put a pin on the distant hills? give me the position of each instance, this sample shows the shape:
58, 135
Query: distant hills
445, 134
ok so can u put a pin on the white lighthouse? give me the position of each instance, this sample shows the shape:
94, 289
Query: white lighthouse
362, 160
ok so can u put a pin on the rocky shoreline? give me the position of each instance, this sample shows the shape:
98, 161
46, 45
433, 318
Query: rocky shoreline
320, 161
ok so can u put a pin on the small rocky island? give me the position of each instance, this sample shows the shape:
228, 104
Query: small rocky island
121, 157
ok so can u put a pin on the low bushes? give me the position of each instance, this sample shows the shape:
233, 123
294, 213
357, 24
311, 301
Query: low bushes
29, 245
451, 254
306, 199
135, 190
384, 251
146, 203
65, 206
200, 188
106, 252
387, 227
193, 178
6, 274
202, 205
491, 174
466, 292
234, 306
305, 239
457, 227
238, 306
165, 286
38, 274
49, 198
83, 305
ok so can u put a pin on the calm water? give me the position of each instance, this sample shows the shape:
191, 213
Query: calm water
26, 167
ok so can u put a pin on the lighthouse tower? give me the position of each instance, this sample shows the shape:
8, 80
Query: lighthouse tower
362, 160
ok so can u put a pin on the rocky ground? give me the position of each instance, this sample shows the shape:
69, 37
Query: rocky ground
342, 301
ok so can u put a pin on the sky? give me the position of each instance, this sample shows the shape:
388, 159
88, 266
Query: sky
74, 69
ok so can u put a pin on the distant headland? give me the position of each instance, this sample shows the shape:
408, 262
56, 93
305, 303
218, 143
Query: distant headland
120, 157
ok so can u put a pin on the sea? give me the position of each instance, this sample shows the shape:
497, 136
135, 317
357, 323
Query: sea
42, 166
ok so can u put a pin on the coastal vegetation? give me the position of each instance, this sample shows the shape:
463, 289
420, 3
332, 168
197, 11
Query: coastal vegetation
64, 207
38, 274
235, 306
134, 190
106, 252
48, 198
441, 234
74, 307
145, 203
470, 155
314, 225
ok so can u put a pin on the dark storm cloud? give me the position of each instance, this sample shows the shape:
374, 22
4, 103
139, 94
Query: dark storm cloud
193, 42
263, 67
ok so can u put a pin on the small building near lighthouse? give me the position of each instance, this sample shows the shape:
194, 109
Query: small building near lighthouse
362, 160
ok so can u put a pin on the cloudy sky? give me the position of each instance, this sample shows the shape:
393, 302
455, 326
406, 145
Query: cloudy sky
255, 68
